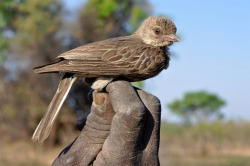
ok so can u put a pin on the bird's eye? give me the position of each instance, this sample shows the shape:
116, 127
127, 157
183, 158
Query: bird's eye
157, 31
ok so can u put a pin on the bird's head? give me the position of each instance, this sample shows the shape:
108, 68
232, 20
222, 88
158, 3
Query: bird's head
157, 31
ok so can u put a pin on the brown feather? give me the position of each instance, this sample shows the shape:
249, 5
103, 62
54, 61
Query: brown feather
43, 129
136, 57
112, 57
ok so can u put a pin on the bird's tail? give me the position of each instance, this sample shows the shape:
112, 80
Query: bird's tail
44, 127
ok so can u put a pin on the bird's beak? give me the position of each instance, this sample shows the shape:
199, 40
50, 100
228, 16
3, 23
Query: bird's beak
171, 38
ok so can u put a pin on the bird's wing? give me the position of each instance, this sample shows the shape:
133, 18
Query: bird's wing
112, 57
94, 51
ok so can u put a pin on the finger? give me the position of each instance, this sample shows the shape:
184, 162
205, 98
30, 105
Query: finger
151, 136
134, 135
125, 99
126, 128
85, 148
81, 121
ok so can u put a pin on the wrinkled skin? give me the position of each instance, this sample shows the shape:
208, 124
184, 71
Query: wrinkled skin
122, 129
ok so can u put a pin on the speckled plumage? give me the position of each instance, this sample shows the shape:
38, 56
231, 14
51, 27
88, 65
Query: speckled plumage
128, 57
136, 57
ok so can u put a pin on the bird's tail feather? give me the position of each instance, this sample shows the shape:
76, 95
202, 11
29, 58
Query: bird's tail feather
44, 127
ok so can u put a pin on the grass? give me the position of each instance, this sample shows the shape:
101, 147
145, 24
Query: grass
215, 144
220, 160
26, 153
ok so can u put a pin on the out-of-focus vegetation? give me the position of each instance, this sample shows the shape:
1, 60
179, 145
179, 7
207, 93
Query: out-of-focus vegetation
212, 144
197, 107
6, 15
216, 143
204, 138
34, 32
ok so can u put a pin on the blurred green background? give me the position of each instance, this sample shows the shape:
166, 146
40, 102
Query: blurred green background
205, 110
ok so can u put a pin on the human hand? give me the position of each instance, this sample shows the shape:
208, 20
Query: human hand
121, 129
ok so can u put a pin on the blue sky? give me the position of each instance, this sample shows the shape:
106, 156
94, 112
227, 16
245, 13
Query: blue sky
213, 55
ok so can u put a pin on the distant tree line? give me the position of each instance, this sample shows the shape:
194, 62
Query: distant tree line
198, 107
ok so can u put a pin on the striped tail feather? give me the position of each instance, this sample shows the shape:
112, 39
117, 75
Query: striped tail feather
44, 127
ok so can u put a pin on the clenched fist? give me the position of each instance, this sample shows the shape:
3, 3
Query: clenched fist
122, 129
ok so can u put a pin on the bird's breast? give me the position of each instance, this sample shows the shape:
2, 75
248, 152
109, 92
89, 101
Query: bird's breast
150, 64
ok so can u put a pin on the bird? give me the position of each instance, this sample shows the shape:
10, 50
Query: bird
136, 57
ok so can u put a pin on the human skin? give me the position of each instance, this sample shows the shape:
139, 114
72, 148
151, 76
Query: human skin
121, 129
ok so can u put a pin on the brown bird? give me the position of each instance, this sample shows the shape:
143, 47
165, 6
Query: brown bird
137, 57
